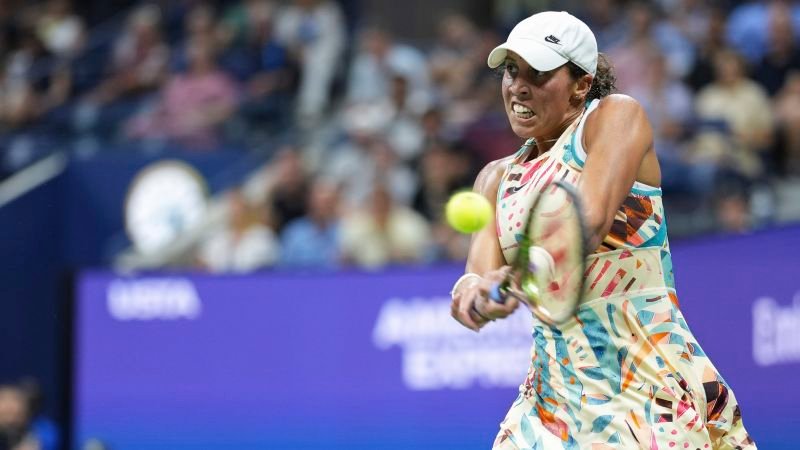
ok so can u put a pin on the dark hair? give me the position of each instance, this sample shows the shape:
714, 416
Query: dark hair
604, 82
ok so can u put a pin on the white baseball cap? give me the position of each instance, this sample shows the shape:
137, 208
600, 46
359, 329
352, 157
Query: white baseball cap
548, 40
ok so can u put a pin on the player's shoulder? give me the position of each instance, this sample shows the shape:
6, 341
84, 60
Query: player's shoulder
496, 167
499, 164
619, 101
616, 109
489, 177
618, 119
615, 103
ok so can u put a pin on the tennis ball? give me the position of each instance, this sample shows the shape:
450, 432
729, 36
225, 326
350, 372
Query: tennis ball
468, 212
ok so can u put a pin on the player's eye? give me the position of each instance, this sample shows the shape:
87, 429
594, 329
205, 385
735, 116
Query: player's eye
539, 77
511, 69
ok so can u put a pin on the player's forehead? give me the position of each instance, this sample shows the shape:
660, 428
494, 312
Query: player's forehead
514, 57
522, 64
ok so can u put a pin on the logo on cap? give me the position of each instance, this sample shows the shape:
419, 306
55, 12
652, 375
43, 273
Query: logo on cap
553, 40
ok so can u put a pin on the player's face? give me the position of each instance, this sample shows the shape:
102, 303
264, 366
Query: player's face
537, 103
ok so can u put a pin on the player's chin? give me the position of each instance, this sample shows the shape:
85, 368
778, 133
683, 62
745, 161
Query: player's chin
524, 128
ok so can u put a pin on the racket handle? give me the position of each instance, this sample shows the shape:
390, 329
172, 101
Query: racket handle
496, 293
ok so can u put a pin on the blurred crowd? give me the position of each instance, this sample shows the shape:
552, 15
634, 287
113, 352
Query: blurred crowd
22, 427
382, 130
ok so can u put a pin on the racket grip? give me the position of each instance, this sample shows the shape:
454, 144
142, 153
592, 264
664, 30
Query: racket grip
496, 293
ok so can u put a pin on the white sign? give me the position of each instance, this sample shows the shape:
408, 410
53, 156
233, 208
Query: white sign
153, 299
776, 331
439, 353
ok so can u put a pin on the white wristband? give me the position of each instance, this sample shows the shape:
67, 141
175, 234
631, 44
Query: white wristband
465, 277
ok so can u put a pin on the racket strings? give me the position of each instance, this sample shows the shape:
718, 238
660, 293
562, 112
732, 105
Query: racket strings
557, 230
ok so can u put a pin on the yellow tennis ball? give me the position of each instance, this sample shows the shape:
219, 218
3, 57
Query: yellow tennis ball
468, 212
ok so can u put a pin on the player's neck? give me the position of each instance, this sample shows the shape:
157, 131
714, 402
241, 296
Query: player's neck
542, 146
544, 143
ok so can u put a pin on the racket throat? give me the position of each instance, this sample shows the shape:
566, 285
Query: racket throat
525, 289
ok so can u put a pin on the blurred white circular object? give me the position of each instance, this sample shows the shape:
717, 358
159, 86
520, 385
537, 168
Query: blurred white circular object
542, 261
165, 199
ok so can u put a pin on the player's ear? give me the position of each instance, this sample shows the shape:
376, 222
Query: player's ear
582, 87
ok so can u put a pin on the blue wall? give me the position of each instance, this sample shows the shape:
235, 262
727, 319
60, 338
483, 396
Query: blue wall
374, 360
31, 275
71, 222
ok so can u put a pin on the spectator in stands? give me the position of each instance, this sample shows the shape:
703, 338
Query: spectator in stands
473, 112
443, 171
668, 103
42, 427
198, 23
312, 241
748, 24
707, 45
387, 112
691, 17
399, 102
376, 64
60, 29
17, 97
647, 34
366, 158
138, 67
368, 152
736, 127
139, 62
782, 54
7, 31
244, 245
404, 132
452, 60
457, 59
313, 32
384, 232
193, 105
736, 108
15, 417
603, 17
32, 82
286, 186
235, 27
434, 128
385, 136
787, 112
271, 78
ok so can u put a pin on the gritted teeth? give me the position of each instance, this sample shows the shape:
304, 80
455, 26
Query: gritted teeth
521, 109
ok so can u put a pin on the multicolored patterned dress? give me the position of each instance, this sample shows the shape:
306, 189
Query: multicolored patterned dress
626, 373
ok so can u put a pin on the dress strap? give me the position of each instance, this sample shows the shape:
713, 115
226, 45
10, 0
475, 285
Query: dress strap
576, 150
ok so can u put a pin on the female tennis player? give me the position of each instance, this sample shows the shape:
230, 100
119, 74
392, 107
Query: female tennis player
625, 372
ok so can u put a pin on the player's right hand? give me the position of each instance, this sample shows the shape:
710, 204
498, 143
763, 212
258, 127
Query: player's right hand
471, 306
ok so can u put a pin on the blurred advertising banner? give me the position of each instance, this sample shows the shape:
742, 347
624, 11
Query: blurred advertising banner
373, 360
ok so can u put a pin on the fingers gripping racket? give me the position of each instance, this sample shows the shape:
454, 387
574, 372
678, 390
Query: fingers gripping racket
548, 272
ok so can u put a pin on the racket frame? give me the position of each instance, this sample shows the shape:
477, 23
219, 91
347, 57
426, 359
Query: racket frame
514, 286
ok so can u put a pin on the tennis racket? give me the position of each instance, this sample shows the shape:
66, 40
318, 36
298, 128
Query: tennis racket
548, 272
